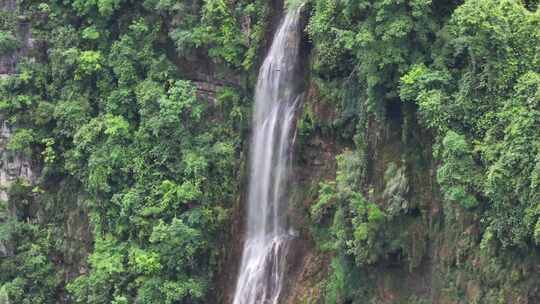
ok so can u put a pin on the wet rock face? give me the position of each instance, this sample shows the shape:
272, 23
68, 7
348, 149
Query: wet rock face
13, 166
7, 64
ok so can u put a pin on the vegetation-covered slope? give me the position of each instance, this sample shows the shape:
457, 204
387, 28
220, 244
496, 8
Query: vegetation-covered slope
468, 74
104, 107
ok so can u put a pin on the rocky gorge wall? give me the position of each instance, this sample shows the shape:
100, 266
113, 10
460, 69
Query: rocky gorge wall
436, 255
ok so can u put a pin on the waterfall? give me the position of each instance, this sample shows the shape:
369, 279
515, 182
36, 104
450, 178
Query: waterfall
277, 96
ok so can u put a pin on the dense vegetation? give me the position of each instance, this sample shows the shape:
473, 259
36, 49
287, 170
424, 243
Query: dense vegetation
107, 107
470, 72
108, 115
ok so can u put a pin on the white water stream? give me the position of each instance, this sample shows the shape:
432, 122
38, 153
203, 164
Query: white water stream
267, 240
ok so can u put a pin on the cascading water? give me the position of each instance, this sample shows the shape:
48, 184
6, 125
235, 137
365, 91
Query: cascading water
267, 237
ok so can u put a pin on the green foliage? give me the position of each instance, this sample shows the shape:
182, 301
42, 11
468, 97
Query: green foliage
356, 226
104, 7
345, 285
324, 201
27, 271
221, 29
89, 63
229, 34
469, 71
458, 174
336, 284
21, 141
480, 95
376, 40
366, 224
109, 107
107, 262
90, 33
8, 43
